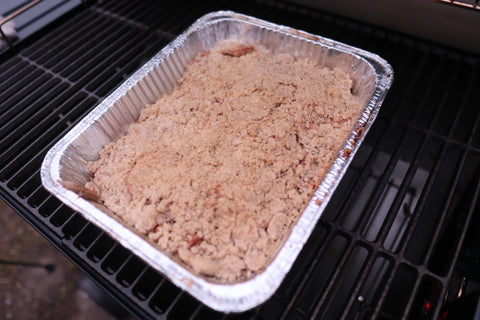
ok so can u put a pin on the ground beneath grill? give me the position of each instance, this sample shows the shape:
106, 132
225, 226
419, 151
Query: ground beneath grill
35, 293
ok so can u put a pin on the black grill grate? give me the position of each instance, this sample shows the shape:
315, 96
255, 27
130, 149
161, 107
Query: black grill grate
391, 242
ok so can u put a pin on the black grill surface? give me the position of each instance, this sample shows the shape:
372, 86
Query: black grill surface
398, 238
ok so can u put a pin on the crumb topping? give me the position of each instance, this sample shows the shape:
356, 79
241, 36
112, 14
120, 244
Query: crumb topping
218, 171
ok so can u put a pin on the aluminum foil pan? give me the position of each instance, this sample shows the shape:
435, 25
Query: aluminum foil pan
64, 171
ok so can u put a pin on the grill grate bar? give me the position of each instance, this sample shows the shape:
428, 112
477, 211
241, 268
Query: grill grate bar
9, 74
17, 88
65, 40
107, 254
8, 68
446, 94
96, 238
62, 216
424, 198
358, 285
362, 176
308, 274
446, 207
134, 7
79, 233
127, 61
58, 35
395, 207
412, 297
38, 192
158, 291
75, 63
84, 55
11, 117
383, 293
318, 304
92, 60
471, 210
375, 198
285, 291
138, 276
15, 164
420, 207
456, 253
45, 70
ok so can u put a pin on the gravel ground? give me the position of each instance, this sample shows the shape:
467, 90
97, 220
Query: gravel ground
34, 292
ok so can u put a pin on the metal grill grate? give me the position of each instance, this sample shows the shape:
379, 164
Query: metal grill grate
389, 241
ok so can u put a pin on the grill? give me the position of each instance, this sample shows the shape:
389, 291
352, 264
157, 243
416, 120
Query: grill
399, 237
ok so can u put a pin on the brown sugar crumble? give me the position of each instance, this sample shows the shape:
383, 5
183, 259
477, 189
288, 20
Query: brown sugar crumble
217, 172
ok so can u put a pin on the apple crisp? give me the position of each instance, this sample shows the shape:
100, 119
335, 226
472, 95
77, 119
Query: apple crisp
216, 172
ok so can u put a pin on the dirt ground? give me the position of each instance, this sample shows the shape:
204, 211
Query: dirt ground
34, 292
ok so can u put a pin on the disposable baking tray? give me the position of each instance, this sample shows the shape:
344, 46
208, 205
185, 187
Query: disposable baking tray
64, 171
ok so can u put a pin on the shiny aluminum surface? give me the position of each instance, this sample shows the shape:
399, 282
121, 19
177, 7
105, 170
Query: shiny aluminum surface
64, 171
